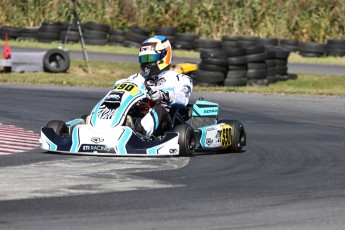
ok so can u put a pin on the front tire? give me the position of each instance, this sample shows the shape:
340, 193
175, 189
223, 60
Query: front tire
186, 139
238, 135
59, 127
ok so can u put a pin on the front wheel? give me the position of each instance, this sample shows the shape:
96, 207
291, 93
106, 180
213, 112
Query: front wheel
59, 127
186, 139
238, 135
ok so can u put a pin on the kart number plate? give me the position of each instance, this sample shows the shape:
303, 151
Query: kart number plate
127, 87
225, 136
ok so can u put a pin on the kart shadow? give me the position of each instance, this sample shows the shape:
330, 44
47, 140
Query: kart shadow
208, 153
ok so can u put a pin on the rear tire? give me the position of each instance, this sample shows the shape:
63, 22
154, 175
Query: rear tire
186, 139
59, 127
238, 135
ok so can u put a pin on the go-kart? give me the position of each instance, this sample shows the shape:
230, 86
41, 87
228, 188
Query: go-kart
108, 129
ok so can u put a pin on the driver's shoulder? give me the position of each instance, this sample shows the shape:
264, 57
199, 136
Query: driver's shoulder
170, 74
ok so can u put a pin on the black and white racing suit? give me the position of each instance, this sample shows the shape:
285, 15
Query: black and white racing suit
178, 88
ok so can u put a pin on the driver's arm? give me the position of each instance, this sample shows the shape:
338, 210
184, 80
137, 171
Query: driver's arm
182, 91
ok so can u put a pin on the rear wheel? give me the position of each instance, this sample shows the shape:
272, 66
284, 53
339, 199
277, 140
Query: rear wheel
186, 139
238, 135
59, 127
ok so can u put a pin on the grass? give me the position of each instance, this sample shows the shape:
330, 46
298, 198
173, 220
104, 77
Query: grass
293, 58
306, 84
104, 74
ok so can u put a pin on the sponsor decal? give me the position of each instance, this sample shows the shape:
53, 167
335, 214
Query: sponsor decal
96, 140
114, 96
186, 90
209, 141
147, 71
105, 113
147, 47
95, 148
172, 151
160, 81
218, 136
211, 129
211, 111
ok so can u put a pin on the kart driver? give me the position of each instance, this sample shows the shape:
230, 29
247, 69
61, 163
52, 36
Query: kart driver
169, 88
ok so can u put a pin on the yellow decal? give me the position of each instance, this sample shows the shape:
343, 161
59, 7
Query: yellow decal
128, 87
225, 136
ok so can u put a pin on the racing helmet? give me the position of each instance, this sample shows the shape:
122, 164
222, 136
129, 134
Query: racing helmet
155, 55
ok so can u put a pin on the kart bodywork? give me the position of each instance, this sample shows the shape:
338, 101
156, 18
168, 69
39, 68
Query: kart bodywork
106, 131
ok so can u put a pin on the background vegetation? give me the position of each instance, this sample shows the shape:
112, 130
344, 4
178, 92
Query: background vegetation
305, 20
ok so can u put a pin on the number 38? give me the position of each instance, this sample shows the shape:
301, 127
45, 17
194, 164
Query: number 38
225, 136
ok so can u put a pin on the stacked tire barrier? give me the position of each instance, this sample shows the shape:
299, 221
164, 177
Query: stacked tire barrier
212, 68
249, 61
185, 41
28, 34
168, 32
256, 65
135, 36
207, 44
100, 34
49, 32
95, 33
276, 62
72, 35
311, 49
116, 37
289, 44
12, 32
237, 65
335, 47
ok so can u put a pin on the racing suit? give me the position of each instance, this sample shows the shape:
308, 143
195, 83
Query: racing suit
176, 88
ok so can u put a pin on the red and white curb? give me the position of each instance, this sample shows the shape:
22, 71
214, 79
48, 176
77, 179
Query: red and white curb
15, 140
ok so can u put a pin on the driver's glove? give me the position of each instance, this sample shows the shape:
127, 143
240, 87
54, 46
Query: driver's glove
159, 95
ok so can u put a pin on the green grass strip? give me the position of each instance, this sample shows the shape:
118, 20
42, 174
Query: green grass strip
104, 74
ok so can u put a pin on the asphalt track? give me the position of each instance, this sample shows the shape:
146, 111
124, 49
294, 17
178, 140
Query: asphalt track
289, 176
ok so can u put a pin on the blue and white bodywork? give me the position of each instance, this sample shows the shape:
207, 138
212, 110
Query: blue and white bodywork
106, 132
103, 133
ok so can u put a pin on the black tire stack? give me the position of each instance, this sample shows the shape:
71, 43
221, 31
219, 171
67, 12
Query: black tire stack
237, 66
116, 37
135, 36
311, 49
212, 68
256, 66
271, 64
229, 41
12, 32
207, 44
185, 41
267, 41
167, 31
276, 62
247, 41
49, 32
95, 33
289, 44
73, 33
335, 47
28, 34
281, 61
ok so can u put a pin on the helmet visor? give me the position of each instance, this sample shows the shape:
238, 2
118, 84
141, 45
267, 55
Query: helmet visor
146, 58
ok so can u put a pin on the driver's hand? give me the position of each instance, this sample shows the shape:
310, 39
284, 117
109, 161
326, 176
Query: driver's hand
159, 95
